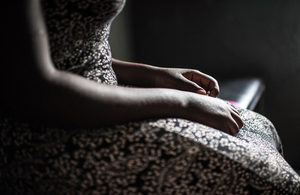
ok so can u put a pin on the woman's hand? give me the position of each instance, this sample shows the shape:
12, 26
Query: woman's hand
186, 80
213, 112
143, 75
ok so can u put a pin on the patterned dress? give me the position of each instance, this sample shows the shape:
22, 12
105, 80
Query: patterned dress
154, 156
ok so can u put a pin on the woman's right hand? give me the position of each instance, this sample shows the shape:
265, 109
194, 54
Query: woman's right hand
213, 112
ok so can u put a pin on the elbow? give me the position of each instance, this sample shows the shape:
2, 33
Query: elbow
24, 96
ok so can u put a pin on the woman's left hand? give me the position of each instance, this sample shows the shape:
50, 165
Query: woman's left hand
186, 80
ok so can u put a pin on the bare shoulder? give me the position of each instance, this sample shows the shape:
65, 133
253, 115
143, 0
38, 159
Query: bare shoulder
12, 14
22, 44
19, 17
22, 21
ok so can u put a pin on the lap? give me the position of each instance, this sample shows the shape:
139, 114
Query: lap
157, 156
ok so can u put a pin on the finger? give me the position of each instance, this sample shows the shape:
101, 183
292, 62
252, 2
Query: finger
237, 119
235, 110
213, 87
209, 81
203, 80
201, 91
214, 92
188, 85
233, 127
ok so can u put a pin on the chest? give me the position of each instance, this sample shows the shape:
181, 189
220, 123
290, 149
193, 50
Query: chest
70, 22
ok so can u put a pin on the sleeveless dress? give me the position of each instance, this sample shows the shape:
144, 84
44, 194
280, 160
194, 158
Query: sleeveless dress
154, 156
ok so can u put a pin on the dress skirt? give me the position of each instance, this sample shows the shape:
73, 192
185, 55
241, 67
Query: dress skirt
155, 156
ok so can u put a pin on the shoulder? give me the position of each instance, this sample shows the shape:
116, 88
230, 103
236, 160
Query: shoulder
15, 16
20, 35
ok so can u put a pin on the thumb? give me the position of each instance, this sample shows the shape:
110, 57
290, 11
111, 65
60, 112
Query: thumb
191, 86
201, 91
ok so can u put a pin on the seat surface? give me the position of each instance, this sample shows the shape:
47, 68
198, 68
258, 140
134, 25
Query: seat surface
245, 92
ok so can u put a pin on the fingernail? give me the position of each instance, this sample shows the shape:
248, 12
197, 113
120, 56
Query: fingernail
201, 91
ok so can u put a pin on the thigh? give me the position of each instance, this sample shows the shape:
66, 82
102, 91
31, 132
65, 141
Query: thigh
163, 156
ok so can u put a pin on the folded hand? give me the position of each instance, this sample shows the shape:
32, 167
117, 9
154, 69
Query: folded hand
186, 80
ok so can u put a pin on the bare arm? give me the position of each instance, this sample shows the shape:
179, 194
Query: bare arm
144, 75
35, 91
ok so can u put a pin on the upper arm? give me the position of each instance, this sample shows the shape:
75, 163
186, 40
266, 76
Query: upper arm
25, 59
24, 38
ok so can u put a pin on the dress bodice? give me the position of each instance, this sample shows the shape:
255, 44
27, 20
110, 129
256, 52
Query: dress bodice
78, 31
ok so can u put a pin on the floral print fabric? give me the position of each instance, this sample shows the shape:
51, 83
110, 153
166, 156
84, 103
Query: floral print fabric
154, 156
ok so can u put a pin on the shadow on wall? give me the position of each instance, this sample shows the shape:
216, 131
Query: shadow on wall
226, 39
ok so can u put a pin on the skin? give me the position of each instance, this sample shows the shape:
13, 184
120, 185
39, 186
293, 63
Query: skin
34, 90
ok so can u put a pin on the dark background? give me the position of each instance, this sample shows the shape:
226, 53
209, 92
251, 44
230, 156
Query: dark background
226, 39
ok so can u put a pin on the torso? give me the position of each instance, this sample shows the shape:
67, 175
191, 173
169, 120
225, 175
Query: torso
78, 31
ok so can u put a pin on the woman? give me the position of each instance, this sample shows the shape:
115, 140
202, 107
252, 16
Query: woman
68, 128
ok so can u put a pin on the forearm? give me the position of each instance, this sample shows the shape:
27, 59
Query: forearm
68, 100
135, 74
99, 104
71, 100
